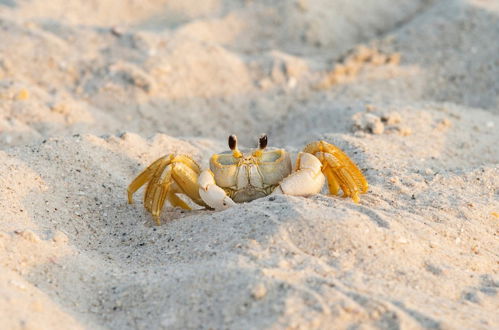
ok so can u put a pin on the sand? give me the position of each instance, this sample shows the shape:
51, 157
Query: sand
91, 92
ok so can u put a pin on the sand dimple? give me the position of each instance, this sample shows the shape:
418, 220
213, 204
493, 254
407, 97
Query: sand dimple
88, 99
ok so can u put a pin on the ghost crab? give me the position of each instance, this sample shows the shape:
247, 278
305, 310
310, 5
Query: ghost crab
236, 176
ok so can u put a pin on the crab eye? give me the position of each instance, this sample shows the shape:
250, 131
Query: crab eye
232, 142
233, 146
262, 143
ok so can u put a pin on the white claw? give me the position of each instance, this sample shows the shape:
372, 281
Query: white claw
309, 161
205, 179
211, 194
307, 180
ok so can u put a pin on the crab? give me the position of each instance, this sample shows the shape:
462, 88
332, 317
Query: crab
237, 177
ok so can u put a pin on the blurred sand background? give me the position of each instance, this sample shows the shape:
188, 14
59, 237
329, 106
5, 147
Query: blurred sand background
92, 91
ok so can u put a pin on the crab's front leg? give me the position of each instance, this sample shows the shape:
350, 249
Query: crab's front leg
306, 180
214, 196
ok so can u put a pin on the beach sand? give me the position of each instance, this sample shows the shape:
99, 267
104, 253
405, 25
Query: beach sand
92, 92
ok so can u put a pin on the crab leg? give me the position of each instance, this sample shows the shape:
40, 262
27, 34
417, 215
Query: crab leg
339, 170
159, 192
165, 178
176, 201
186, 175
332, 180
211, 194
344, 178
306, 180
147, 175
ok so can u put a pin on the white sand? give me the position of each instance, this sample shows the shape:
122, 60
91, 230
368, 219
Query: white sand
92, 91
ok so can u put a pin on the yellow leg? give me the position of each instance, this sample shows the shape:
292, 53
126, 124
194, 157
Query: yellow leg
166, 177
146, 175
188, 162
164, 170
339, 170
160, 191
187, 180
332, 180
344, 177
176, 201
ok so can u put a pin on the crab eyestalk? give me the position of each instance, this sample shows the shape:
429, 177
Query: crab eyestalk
262, 144
233, 146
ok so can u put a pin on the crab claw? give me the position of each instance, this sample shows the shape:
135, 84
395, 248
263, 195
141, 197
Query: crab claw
306, 180
214, 196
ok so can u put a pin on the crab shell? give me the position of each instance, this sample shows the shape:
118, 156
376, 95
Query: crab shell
254, 175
